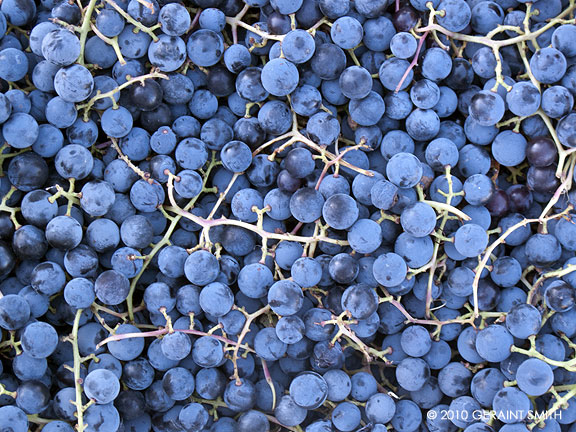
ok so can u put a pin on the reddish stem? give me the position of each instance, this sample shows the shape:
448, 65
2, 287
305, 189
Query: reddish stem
296, 228
413, 63
163, 331
195, 20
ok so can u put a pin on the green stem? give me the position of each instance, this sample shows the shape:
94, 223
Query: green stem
3, 391
73, 339
165, 240
85, 28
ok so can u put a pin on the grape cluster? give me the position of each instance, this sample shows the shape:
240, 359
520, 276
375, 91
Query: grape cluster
287, 215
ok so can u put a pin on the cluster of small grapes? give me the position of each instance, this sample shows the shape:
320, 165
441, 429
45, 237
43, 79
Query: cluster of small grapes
303, 215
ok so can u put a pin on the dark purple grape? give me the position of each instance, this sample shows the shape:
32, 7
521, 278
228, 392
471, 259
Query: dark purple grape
542, 179
520, 198
405, 19
147, 96
499, 204
278, 24
541, 152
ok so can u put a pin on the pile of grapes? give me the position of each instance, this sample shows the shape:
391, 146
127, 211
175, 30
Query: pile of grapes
287, 215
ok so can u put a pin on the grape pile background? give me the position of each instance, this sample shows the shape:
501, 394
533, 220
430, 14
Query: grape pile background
287, 215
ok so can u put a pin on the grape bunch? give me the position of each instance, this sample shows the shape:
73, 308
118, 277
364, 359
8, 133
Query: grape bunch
287, 215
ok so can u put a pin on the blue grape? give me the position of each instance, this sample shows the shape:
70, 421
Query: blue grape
14, 64
457, 15
404, 170
487, 346
279, 77
548, 65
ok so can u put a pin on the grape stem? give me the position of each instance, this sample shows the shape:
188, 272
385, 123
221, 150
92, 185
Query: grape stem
345, 331
166, 238
12, 343
569, 365
3, 391
148, 30
165, 330
73, 339
11, 210
233, 222
85, 28
249, 319
501, 240
110, 94
413, 63
143, 175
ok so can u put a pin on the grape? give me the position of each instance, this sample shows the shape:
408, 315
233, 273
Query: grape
111, 287
285, 297
389, 269
559, 296
404, 170
102, 386
457, 15
308, 390
540, 377
489, 350
216, 299
486, 384
39, 340
20, 130
346, 32
47, 278
391, 72
384, 195
407, 417
14, 64
542, 249
174, 19
147, 15
486, 108
306, 205
79, 293
110, 23
524, 99
360, 300
306, 100
340, 211
37, 209
275, 118
548, 65
279, 77
355, 82
74, 161
511, 405
454, 380
14, 418
403, 45
470, 240
412, 373
365, 236
557, 101
249, 85
61, 47
288, 413
509, 148
193, 416
418, 219
368, 110
73, 83
328, 61
323, 128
